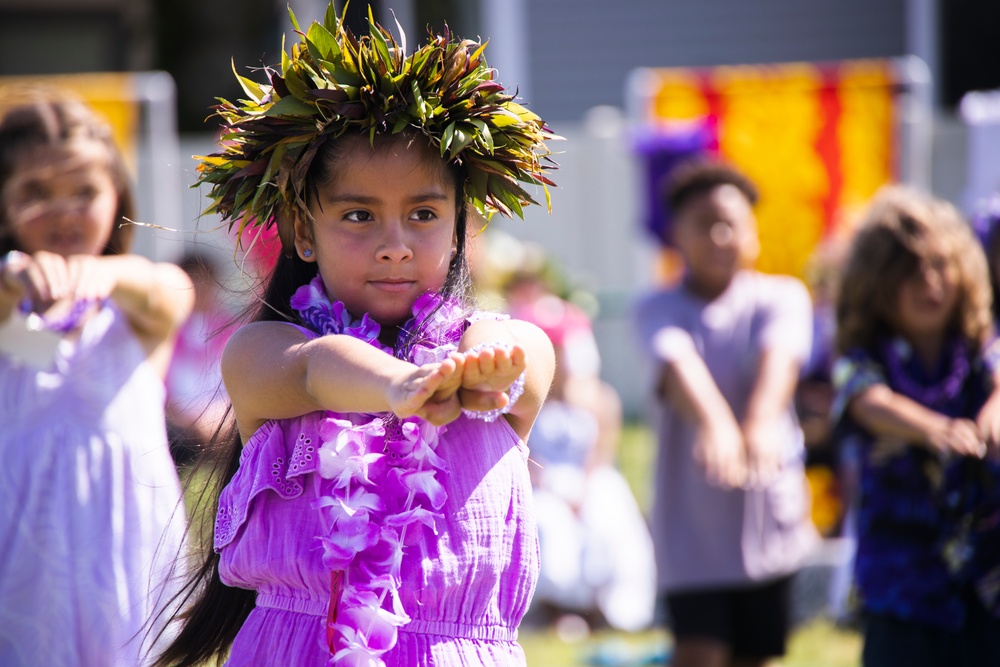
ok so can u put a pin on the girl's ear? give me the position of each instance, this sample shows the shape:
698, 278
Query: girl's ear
303, 238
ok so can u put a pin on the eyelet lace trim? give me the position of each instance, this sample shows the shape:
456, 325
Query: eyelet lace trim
254, 477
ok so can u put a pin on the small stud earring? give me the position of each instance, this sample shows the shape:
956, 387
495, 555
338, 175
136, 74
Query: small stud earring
307, 253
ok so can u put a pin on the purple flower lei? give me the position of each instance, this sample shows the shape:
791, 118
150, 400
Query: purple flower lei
62, 325
898, 352
380, 485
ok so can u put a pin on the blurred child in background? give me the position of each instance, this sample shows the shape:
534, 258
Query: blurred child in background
91, 518
916, 386
730, 518
595, 548
196, 399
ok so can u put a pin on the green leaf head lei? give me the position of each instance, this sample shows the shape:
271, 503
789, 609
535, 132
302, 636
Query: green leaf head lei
333, 82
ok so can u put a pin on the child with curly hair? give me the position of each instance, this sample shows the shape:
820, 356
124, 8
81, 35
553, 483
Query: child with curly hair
917, 393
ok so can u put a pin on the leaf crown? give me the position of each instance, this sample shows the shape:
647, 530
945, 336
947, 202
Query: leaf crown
333, 82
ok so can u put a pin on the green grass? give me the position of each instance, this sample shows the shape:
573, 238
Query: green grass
818, 644
636, 458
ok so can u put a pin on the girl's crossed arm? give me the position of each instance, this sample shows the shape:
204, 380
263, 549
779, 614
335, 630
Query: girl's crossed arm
884, 413
156, 297
272, 371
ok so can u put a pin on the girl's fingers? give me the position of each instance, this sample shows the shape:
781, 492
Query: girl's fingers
493, 368
482, 401
442, 413
94, 280
58, 276
451, 370
968, 442
47, 279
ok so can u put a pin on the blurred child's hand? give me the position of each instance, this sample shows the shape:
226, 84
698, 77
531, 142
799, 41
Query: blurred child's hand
47, 278
90, 277
44, 279
429, 392
988, 421
763, 451
488, 374
960, 436
719, 447
12, 284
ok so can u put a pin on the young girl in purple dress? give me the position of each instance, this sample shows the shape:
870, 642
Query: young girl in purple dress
90, 503
917, 394
375, 506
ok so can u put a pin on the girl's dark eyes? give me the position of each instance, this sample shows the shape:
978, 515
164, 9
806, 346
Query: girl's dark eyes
359, 216
33, 193
424, 215
86, 192
420, 215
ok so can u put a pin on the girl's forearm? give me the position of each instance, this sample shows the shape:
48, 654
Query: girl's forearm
344, 374
777, 377
884, 413
687, 383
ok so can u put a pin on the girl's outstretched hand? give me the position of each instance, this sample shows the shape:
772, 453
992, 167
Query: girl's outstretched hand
430, 391
960, 436
719, 446
46, 278
43, 278
988, 421
763, 451
487, 375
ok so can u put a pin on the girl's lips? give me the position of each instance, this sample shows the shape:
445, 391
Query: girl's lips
393, 286
64, 241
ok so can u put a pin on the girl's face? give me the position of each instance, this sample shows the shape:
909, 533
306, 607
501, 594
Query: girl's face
62, 201
384, 229
928, 297
716, 233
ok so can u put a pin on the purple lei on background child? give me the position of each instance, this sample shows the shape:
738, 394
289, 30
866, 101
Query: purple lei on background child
380, 488
62, 325
898, 355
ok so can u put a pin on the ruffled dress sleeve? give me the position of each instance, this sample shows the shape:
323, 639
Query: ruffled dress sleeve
269, 462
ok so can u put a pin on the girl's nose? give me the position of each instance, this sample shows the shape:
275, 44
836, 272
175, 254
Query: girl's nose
721, 234
394, 246
933, 280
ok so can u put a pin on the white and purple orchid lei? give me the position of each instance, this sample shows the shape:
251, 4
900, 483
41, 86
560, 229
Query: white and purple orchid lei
381, 483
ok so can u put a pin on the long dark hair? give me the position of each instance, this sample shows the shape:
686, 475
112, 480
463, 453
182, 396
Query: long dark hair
213, 612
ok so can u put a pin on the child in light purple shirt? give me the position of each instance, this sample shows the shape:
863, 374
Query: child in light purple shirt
730, 518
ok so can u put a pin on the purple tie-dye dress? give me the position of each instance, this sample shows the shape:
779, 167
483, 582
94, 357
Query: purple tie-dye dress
466, 590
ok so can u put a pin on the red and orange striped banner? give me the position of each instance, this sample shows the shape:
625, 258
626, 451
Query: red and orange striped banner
818, 140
